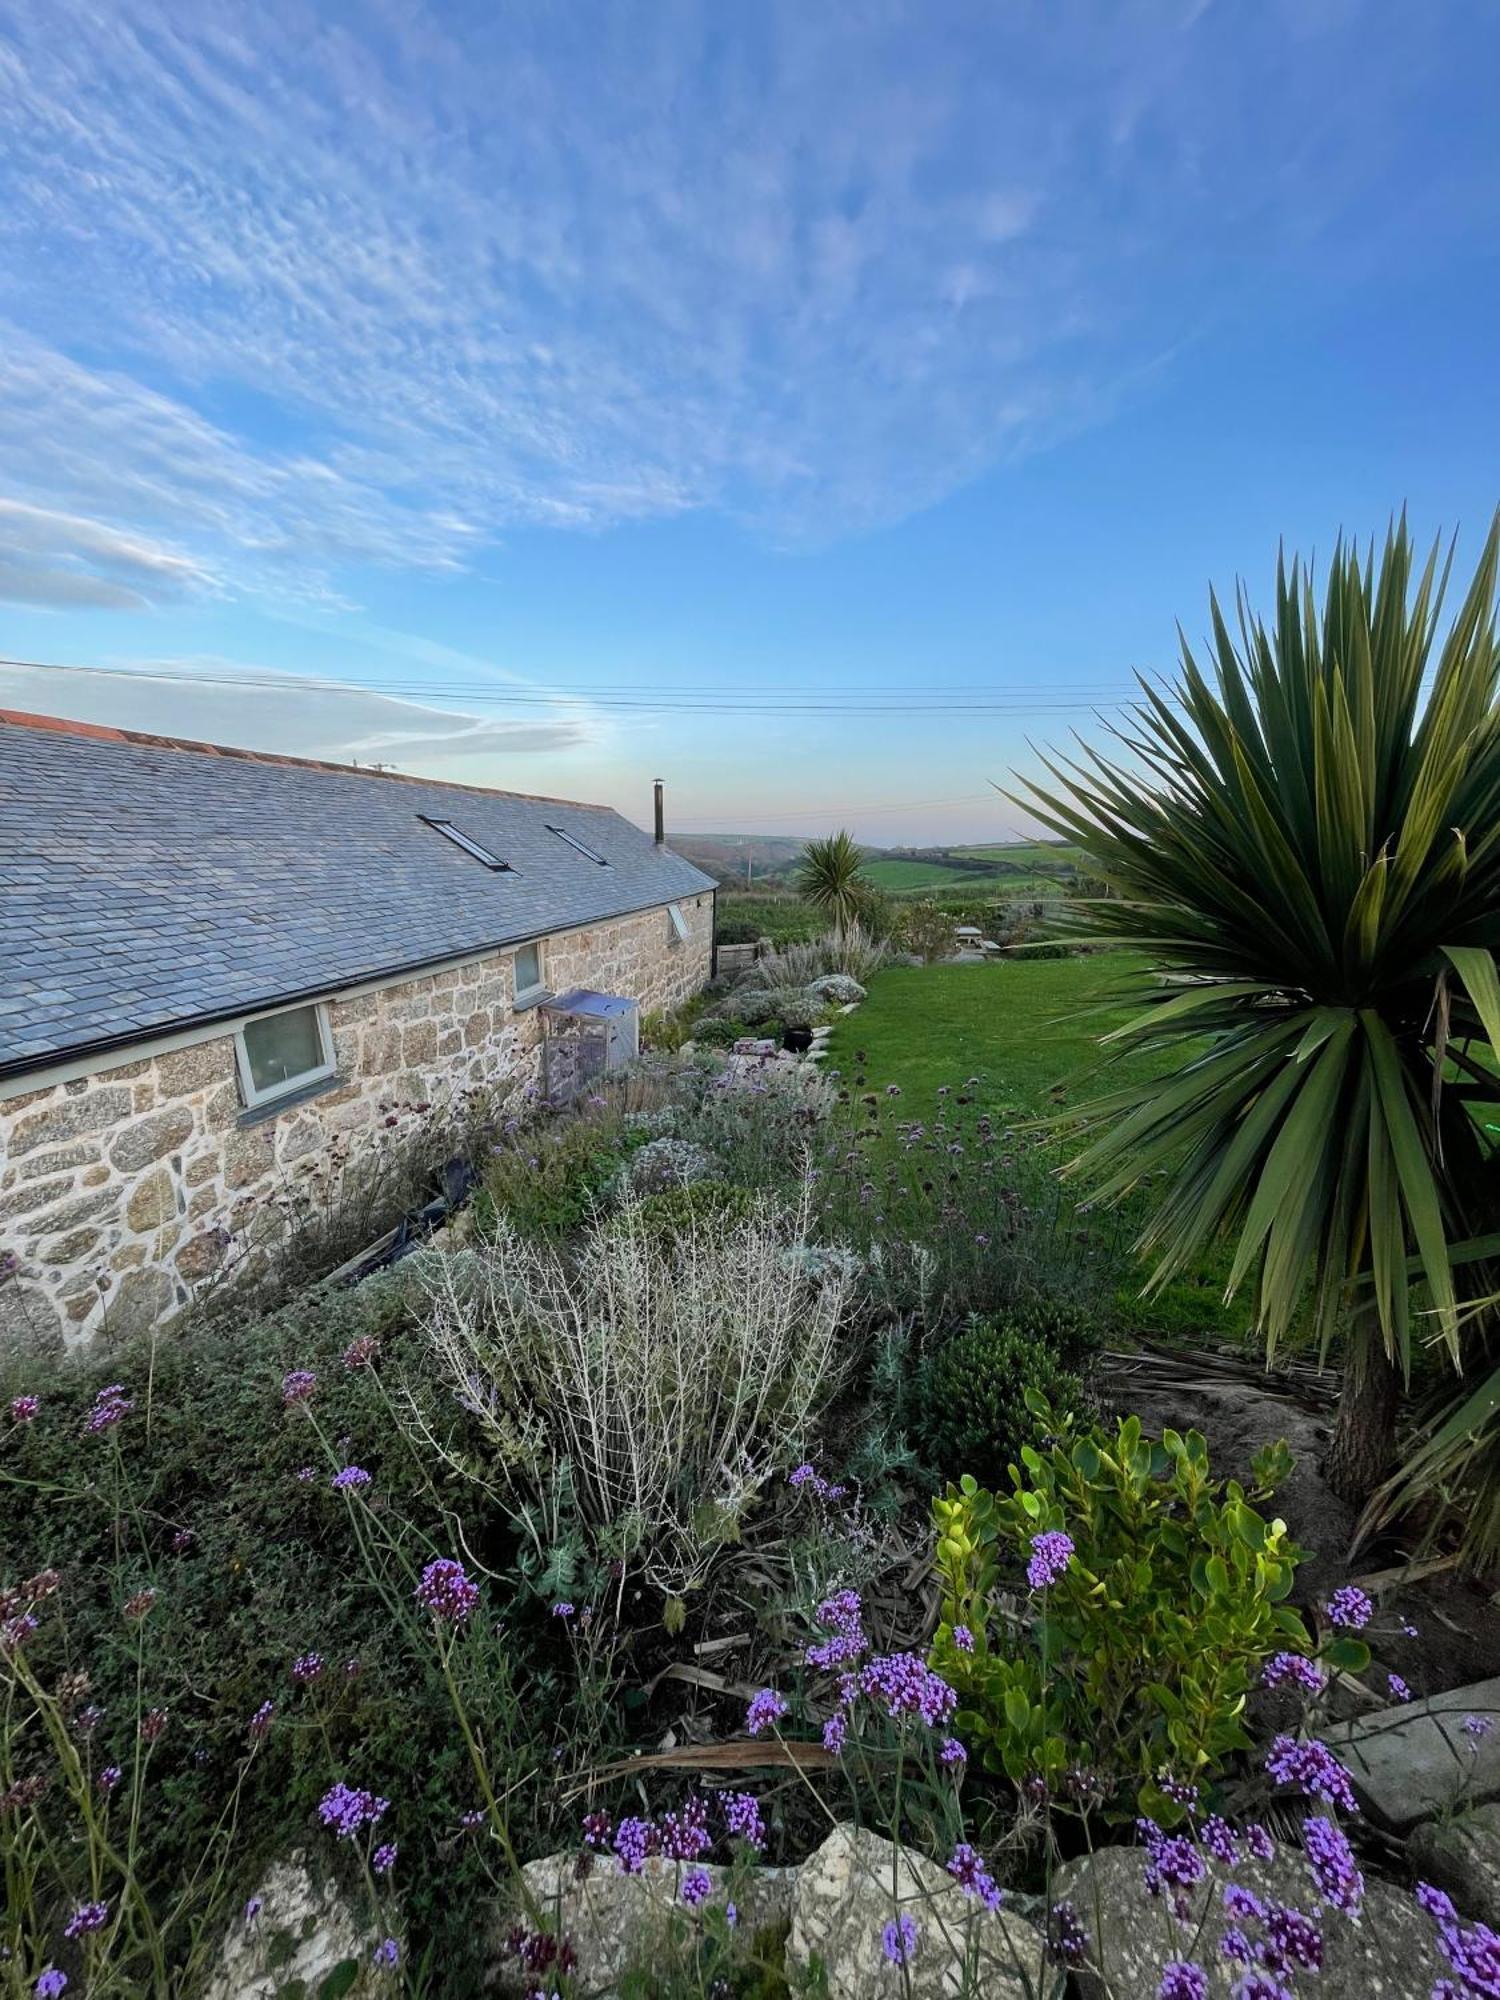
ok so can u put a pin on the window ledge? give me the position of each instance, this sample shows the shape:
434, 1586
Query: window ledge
532, 997
259, 1113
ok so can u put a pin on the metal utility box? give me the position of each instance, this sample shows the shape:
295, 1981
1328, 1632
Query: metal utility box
585, 1035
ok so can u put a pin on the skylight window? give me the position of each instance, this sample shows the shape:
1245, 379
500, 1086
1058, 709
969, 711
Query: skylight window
578, 846
450, 832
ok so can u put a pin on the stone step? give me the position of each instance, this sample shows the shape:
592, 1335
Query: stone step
1417, 1760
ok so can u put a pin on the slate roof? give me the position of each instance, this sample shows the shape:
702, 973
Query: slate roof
147, 884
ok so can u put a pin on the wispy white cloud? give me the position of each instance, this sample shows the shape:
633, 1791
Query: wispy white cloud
312, 287
59, 559
256, 708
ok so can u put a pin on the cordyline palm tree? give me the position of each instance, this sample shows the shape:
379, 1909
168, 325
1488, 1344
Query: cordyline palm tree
1306, 842
828, 877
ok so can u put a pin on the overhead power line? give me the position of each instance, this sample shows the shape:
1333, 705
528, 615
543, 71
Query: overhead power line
1014, 700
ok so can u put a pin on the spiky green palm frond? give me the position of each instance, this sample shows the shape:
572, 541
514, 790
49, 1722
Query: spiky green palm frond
1304, 837
829, 877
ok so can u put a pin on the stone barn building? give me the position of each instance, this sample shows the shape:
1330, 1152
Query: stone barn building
214, 963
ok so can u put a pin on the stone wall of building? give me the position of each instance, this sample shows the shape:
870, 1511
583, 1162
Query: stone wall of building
123, 1191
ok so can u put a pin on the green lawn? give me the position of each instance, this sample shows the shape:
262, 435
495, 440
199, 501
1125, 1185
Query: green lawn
898, 875
1029, 1031
1025, 1027
1027, 854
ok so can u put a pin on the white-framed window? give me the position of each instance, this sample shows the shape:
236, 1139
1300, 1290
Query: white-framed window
677, 924
283, 1052
467, 842
530, 984
578, 846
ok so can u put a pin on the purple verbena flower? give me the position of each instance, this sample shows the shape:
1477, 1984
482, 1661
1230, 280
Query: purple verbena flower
836, 1733
766, 1708
383, 1860
1258, 1984
1436, 1902
298, 1385
1312, 1768
109, 1778
1050, 1555
841, 1616
50, 1984
87, 1917
111, 1405
16, 1631
447, 1591
1473, 1951
899, 1939
1303, 1673
23, 1410
1182, 1980
387, 1952
307, 1667
952, 1755
1243, 1904
968, 1870
963, 1638
634, 1840
1334, 1869
1291, 1941
697, 1887
904, 1685
597, 1827
563, 1609
684, 1835
742, 1818
1398, 1687
1259, 1842
1350, 1607
350, 1478
1067, 1940
1478, 1726
259, 1724
347, 1811
1220, 1839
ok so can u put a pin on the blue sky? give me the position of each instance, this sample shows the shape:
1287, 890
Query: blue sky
809, 405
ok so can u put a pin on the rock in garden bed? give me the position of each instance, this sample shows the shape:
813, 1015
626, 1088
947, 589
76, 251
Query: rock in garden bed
855, 1884
610, 1918
1390, 1954
294, 1932
834, 1909
1462, 1856
1412, 1762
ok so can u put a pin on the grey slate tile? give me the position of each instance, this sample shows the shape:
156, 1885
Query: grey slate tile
214, 884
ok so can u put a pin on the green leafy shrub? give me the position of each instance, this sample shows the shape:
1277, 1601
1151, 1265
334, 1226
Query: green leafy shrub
925, 931
718, 1033
1142, 1652
667, 1163
665, 1031
691, 1209
551, 1176
201, 1494
972, 1411
837, 989
797, 1006
748, 1004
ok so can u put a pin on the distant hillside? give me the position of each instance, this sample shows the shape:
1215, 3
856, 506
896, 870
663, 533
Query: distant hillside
727, 856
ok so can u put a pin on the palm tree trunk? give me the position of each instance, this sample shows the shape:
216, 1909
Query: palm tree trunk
1364, 1431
